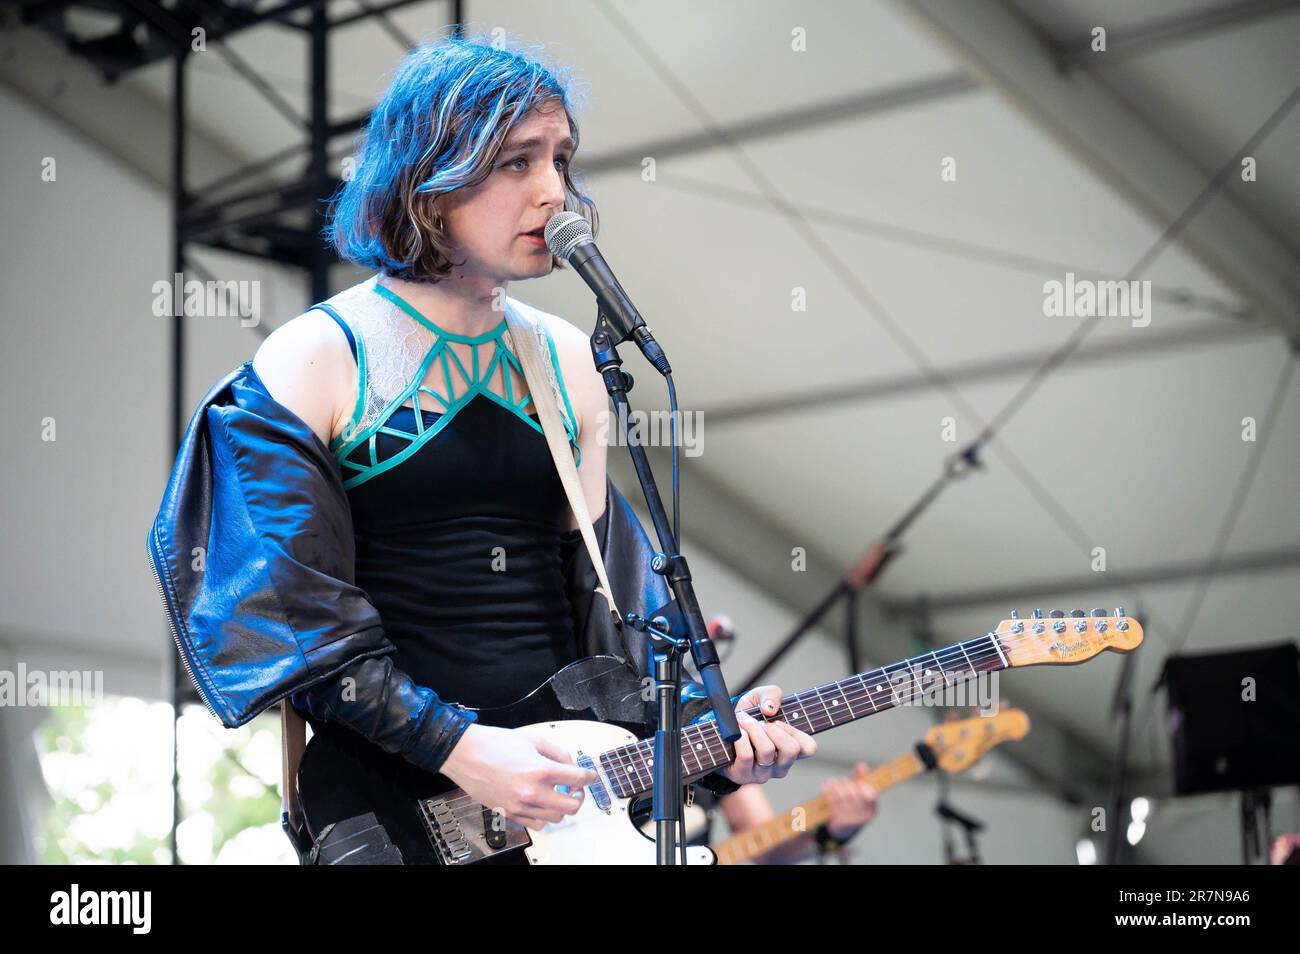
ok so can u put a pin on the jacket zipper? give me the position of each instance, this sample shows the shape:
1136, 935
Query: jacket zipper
171, 624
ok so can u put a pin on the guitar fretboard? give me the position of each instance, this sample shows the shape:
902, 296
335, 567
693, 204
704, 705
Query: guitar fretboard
630, 767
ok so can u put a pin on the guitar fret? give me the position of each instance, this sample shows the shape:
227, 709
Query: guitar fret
866, 696
798, 713
876, 685
693, 747
825, 711
942, 672
871, 700
997, 644
889, 681
974, 671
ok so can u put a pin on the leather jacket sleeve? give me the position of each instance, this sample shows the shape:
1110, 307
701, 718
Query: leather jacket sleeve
380, 702
270, 608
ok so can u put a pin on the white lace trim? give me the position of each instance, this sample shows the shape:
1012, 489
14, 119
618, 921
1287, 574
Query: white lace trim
391, 346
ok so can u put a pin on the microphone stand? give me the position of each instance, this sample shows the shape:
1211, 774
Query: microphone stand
1121, 711
665, 650
970, 828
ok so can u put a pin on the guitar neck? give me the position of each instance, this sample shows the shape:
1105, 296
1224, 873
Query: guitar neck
815, 710
805, 818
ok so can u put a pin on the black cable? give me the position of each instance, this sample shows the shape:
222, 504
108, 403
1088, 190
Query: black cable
672, 425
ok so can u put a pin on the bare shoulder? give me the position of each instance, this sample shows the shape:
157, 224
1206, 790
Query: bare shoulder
566, 334
573, 349
307, 365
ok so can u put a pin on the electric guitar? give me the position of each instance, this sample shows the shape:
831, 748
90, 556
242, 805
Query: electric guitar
952, 747
592, 709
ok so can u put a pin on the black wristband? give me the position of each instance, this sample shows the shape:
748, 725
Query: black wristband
718, 784
828, 842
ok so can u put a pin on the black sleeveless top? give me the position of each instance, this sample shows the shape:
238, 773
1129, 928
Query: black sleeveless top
460, 548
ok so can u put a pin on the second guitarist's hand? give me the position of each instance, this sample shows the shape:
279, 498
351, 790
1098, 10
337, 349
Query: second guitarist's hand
852, 803
766, 750
515, 773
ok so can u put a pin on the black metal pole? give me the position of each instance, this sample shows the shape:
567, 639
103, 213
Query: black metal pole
1121, 707
176, 422
320, 255
851, 630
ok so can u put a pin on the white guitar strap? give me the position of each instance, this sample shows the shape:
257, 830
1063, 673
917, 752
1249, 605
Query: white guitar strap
529, 341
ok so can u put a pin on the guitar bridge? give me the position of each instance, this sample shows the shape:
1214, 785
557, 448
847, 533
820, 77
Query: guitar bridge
463, 832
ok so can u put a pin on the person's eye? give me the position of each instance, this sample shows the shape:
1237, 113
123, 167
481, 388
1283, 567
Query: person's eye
516, 159
564, 160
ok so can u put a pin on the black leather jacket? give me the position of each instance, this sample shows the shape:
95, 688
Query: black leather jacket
254, 556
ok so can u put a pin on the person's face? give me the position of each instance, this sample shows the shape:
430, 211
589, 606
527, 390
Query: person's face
486, 222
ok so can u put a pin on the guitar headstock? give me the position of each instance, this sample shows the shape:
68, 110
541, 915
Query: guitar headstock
960, 744
1060, 638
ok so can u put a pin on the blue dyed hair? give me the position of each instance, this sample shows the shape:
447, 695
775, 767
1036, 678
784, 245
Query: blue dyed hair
439, 127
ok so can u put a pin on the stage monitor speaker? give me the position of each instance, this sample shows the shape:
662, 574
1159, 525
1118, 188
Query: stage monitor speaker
1229, 733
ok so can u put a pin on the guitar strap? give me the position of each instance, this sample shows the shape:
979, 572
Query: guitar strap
528, 339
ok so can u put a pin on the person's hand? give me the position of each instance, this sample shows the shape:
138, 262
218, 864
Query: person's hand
765, 750
852, 802
515, 773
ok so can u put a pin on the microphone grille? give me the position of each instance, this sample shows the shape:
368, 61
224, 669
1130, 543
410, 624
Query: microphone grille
565, 232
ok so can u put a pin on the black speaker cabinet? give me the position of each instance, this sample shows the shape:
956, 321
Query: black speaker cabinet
1222, 740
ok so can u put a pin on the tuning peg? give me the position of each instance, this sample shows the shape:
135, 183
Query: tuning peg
1038, 614
1119, 611
1098, 612
1015, 614
1076, 613
1056, 614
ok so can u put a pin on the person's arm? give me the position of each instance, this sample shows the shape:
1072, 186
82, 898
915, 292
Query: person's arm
852, 803
750, 807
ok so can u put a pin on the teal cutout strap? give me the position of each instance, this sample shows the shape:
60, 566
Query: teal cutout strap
357, 450
358, 347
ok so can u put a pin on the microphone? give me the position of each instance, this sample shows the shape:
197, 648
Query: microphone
569, 238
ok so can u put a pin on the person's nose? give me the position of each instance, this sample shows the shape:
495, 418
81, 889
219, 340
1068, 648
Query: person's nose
552, 190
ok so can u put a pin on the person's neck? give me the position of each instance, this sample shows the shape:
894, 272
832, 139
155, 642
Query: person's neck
460, 305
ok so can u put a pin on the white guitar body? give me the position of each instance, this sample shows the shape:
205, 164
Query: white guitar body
595, 835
